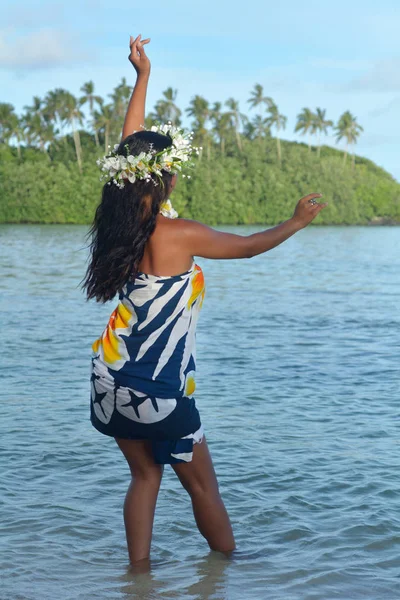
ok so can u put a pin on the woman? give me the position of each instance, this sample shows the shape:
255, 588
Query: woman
143, 365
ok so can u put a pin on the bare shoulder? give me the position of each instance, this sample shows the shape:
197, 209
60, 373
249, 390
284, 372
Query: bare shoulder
185, 228
190, 227
182, 223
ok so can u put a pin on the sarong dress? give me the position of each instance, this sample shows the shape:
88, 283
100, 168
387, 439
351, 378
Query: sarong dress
143, 365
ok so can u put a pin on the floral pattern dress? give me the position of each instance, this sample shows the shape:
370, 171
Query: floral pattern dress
144, 364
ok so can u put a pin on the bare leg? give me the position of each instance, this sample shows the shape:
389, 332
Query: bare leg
141, 497
199, 479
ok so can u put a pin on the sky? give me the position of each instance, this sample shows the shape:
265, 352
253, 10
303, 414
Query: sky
337, 56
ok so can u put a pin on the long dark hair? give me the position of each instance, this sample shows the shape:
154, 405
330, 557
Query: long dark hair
123, 222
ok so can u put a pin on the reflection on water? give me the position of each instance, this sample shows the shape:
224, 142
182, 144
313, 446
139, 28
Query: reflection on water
207, 580
298, 358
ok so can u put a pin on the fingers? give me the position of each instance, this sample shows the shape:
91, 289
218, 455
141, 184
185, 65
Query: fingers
319, 205
138, 41
142, 51
316, 208
133, 41
137, 51
310, 197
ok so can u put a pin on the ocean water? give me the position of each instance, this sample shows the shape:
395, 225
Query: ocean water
298, 363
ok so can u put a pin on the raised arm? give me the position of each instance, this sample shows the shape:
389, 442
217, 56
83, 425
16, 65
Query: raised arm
134, 118
201, 240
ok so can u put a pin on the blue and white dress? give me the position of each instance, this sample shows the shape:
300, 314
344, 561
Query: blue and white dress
144, 363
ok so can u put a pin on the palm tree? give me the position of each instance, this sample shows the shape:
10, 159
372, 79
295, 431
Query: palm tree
348, 128
55, 109
120, 98
37, 106
200, 112
47, 135
257, 97
38, 131
17, 132
6, 116
222, 124
103, 121
74, 117
305, 123
32, 126
10, 126
90, 98
279, 122
237, 119
320, 125
34, 121
166, 108
257, 128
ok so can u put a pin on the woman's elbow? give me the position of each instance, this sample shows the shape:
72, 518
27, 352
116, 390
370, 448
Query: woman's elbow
249, 250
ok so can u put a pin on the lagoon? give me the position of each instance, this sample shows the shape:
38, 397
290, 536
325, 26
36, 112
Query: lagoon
298, 364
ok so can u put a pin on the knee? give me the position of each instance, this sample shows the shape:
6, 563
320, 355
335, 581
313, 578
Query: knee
198, 488
150, 477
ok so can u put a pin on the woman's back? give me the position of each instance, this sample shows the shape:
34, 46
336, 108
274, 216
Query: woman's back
164, 253
148, 343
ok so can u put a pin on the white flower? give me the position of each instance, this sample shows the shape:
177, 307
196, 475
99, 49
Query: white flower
143, 166
167, 211
123, 163
113, 163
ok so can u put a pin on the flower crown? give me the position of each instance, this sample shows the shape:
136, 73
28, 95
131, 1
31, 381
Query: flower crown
120, 168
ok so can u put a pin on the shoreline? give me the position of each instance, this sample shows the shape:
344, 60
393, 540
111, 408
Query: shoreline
375, 222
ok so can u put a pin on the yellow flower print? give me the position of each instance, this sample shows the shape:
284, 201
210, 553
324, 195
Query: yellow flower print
110, 341
197, 286
190, 383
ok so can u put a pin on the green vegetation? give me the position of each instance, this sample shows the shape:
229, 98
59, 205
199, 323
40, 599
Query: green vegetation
246, 172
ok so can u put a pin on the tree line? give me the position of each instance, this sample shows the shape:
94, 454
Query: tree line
45, 122
247, 172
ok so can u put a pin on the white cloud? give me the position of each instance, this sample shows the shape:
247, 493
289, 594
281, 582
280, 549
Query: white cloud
42, 49
380, 111
383, 76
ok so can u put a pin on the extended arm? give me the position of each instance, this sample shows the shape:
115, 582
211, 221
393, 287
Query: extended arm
201, 240
134, 118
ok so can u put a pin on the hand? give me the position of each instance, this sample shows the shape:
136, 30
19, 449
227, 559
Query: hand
305, 211
138, 56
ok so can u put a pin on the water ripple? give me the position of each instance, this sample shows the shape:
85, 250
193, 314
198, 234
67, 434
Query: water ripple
298, 375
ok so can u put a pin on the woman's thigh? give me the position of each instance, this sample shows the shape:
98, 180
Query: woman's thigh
139, 456
198, 475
